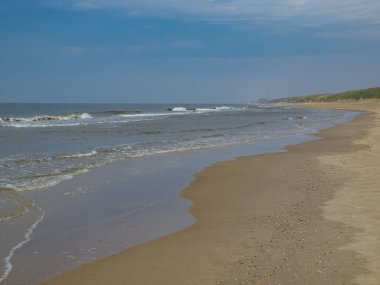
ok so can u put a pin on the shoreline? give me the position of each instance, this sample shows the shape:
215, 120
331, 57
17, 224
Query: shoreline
260, 233
56, 245
120, 205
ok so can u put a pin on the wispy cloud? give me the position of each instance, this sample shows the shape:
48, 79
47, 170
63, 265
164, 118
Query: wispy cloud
355, 34
311, 12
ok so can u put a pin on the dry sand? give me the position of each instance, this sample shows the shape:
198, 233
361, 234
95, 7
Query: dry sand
357, 201
306, 216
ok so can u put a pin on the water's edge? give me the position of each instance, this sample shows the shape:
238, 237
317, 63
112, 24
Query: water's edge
160, 169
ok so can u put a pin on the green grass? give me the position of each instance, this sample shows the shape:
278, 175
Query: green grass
370, 93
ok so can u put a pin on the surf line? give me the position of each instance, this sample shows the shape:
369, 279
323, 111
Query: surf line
27, 238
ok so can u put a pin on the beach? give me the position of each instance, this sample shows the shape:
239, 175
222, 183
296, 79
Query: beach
304, 216
109, 176
189, 143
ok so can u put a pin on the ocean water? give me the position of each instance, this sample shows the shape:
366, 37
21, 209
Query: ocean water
43, 146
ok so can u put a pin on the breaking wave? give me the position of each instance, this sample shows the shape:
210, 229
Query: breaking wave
29, 173
202, 109
46, 118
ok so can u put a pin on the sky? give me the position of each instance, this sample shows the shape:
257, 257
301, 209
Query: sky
200, 51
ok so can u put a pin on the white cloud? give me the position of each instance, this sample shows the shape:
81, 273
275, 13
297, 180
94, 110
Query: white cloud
311, 12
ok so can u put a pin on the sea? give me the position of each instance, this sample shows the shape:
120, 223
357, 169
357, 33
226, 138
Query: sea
83, 181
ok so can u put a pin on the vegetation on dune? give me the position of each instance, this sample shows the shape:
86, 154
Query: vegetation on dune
370, 93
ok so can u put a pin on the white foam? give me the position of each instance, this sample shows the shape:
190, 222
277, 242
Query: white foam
215, 109
179, 109
224, 108
145, 115
44, 182
206, 109
85, 154
71, 120
31, 125
85, 116
43, 121
27, 238
202, 109
46, 118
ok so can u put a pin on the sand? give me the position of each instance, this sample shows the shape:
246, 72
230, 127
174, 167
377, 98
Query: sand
356, 201
306, 216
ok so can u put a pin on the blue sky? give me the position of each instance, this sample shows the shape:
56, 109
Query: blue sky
185, 51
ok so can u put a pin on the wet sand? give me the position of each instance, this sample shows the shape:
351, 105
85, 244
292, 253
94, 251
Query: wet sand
305, 216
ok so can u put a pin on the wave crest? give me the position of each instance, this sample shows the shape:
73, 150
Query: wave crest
201, 109
45, 118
